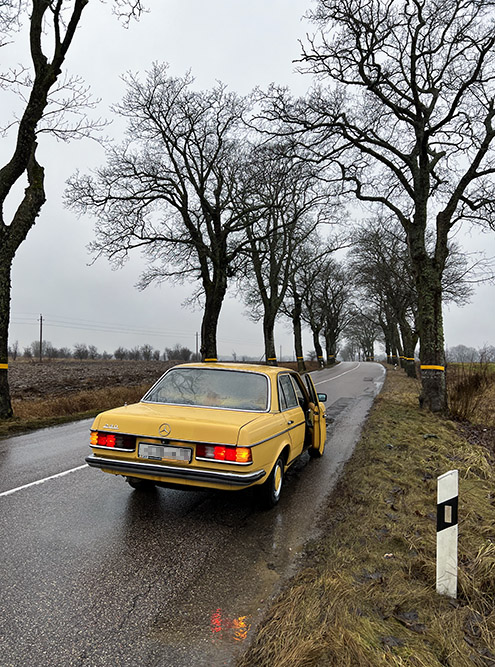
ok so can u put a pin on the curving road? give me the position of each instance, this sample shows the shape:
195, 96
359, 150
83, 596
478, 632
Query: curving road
93, 574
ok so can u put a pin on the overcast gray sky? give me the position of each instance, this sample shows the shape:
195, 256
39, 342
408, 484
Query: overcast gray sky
243, 44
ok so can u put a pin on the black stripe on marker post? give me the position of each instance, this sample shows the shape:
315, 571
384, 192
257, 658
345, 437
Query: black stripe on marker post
447, 514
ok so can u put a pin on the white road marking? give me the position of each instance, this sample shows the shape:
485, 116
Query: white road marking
42, 481
339, 376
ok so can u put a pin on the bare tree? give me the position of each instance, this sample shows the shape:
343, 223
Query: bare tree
178, 353
46, 104
413, 113
147, 352
81, 351
169, 188
293, 308
284, 200
383, 272
362, 332
335, 303
308, 275
462, 354
326, 298
14, 350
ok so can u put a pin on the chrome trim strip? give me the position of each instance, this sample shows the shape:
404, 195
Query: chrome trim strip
191, 474
234, 463
113, 449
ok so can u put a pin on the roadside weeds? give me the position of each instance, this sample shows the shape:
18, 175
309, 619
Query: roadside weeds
44, 412
365, 595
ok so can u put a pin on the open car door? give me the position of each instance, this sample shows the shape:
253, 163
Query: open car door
317, 410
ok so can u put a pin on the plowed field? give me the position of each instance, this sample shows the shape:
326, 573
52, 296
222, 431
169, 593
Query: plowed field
34, 379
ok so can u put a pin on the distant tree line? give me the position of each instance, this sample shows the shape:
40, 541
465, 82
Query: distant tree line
82, 351
464, 354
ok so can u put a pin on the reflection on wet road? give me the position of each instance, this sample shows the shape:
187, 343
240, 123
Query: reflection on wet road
94, 573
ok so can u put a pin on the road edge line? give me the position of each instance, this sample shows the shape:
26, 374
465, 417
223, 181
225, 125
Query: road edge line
41, 481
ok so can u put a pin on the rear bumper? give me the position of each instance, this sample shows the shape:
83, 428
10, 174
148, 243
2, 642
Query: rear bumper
199, 476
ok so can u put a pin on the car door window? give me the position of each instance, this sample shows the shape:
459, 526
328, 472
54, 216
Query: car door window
287, 394
311, 390
302, 400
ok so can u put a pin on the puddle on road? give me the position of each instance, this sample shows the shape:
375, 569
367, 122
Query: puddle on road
218, 621
232, 629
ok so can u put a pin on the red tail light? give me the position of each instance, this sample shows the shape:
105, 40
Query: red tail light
117, 440
224, 453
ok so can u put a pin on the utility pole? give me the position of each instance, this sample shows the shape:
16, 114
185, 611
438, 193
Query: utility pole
41, 337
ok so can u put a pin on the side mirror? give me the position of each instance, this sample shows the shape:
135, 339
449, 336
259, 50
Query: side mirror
322, 398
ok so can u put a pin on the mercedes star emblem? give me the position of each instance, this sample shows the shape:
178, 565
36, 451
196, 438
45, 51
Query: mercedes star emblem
164, 430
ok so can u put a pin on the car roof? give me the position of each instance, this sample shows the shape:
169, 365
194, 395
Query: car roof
252, 368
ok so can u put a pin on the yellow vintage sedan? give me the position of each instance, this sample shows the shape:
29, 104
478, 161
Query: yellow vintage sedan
213, 425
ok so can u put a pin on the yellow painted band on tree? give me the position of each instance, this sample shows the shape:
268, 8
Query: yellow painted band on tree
272, 359
4, 367
210, 360
432, 368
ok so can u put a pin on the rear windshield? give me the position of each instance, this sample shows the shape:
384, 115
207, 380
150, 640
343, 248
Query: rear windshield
206, 387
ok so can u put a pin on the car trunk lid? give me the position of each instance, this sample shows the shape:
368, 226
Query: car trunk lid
176, 423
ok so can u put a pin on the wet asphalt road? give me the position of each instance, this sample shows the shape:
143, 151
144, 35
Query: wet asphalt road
94, 574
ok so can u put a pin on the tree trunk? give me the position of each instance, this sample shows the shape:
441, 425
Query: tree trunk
409, 340
428, 279
388, 345
214, 296
397, 357
269, 337
297, 328
331, 349
10, 239
318, 348
387, 329
432, 352
5, 402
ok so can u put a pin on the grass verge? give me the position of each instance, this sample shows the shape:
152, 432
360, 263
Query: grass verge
43, 412
471, 389
365, 595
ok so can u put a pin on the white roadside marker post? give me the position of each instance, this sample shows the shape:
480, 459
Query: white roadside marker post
447, 533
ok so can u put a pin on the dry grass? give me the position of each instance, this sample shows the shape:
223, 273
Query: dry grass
366, 595
36, 413
471, 391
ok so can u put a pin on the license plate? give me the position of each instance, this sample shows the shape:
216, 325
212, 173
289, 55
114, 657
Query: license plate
164, 453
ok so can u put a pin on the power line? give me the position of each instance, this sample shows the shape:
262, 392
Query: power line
88, 325
79, 324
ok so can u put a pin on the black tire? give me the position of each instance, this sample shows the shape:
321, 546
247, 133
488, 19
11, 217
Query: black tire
271, 489
140, 484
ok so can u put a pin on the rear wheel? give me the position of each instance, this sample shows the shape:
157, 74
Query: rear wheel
271, 489
140, 484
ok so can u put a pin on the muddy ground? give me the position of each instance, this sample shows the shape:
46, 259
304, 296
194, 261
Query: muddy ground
34, 379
